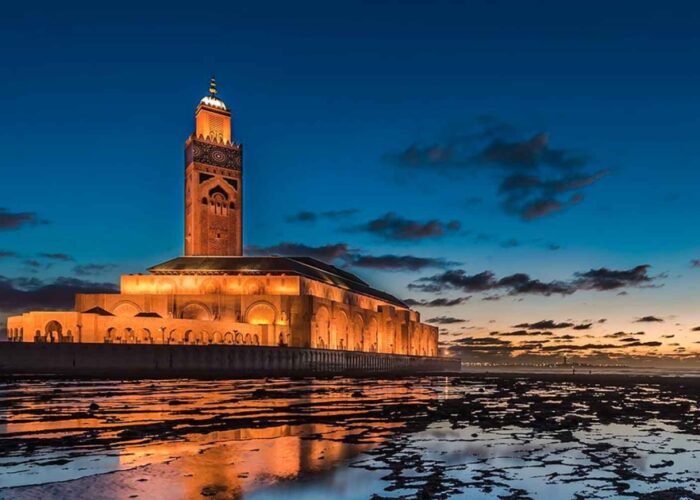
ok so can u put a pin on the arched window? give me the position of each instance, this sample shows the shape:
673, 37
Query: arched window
146, 337
172, 336
188, 337
261, 313
218, 201
126, 309
195, 311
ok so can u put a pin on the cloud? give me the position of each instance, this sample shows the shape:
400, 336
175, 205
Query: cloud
515, 284
456, 279
16, 220
536, 179
341, 254
590, 347
33, 265
56, 256
92, 269
302, 217
473, 201
396, 262
439, 302
545, 323
532, 197
394, 227
607, 279
649, 319
618, 335
486, 346
481, 341
326, 253
564, 338
339, 214
694, 262
520, 283
529, 154
522, 333
583, 326
4, 254
309, 217
24, 294
445, 320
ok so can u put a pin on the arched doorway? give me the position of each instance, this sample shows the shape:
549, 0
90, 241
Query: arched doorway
53, 331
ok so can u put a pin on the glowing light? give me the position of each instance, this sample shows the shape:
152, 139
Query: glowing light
213, 102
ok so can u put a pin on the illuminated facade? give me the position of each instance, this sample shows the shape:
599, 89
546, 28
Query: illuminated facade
214, 295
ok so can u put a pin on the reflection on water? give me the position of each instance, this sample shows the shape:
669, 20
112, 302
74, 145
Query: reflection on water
478, 436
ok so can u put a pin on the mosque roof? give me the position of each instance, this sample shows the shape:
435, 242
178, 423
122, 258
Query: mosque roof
301, 266
99, 311
213, 102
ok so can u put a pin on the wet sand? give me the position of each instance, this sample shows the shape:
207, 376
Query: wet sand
554, 435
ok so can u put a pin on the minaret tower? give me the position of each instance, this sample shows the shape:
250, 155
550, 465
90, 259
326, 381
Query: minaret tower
213, 182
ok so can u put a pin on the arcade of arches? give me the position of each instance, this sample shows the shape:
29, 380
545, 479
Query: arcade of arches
281, 310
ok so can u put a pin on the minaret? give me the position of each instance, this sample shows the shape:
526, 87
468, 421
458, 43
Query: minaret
213, 182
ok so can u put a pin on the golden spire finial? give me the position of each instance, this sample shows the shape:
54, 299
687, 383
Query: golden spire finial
212, 85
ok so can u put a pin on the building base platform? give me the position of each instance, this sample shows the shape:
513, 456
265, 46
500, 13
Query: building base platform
168, 360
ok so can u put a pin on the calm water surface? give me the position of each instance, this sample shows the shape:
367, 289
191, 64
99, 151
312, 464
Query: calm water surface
476, 436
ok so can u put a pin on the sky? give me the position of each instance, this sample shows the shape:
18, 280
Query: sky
523, 173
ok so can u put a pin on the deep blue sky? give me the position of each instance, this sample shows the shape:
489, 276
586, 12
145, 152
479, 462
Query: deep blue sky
97, 103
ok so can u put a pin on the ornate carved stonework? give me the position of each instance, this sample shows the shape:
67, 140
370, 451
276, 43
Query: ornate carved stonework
212, 154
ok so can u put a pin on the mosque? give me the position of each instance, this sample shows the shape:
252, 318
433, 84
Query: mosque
215, 295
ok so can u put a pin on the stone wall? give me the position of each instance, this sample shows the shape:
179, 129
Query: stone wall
106, 360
